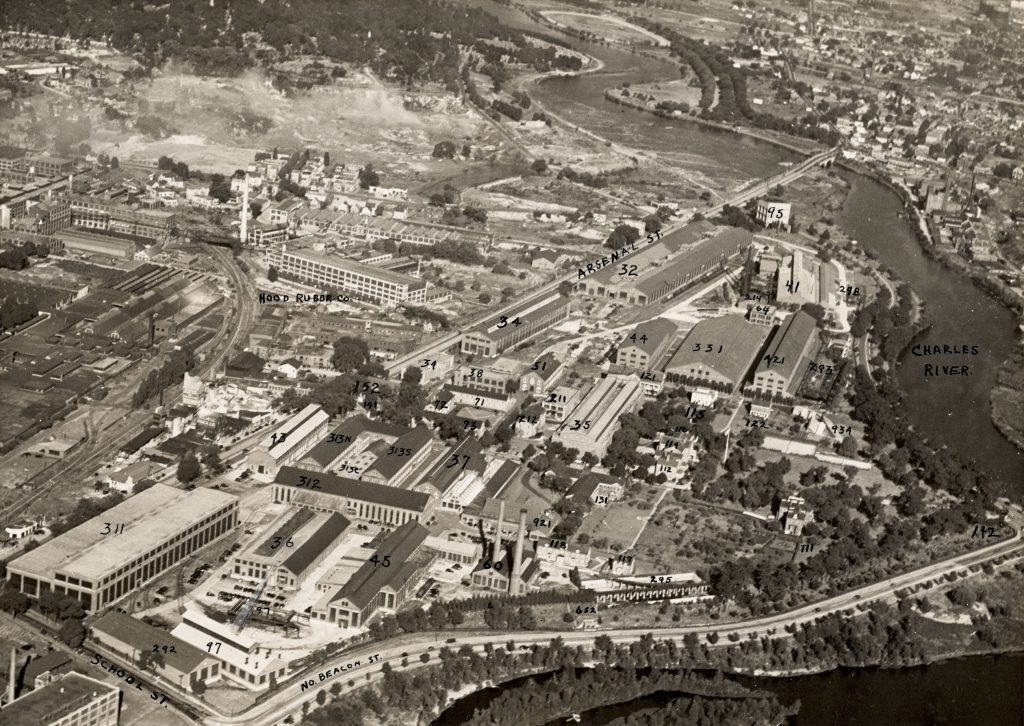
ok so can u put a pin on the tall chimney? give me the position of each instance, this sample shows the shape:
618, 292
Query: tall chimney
13, 677
515, 581
243, 232
496, 551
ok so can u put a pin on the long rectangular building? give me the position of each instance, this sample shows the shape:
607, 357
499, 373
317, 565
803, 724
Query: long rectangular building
178, 662
355, 499
515, 325
661, 270
299, 541
71, 700
334, 273
127, 546
591, 425
287, 443
379, 587
785, 361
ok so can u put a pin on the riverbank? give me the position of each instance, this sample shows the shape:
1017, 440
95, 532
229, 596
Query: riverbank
1006, 396
615, 96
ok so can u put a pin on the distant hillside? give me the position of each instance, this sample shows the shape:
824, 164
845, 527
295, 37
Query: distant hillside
405, 40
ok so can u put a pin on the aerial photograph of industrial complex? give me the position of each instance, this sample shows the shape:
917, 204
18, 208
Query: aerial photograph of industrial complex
511, 362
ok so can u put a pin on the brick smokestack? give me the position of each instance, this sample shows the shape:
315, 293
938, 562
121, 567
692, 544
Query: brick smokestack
243, 231
496, 551
13, 677
515, 580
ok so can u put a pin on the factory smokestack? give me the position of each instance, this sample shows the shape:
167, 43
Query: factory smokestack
243, 231
13, 677
515, 578
496, 551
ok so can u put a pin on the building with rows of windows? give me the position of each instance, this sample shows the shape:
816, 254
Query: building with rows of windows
117, 552
333, 273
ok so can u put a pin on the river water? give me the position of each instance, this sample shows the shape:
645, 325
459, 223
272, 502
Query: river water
953, 410
982, 691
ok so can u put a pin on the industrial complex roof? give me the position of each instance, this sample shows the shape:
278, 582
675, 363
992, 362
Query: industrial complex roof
149, 518
362, 491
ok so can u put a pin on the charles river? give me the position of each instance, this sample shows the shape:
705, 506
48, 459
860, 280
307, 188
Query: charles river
952, 410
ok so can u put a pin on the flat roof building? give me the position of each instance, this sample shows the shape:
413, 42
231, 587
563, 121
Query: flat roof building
71, 700
127, 546
717, 353
332, 272
590, 426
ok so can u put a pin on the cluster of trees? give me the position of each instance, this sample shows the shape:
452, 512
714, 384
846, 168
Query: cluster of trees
413, 312
448, 195
16, 257
14, 312
462, 253
447, 150
178, 168
621, 236
171, 372
737, 217
892, 328
456, 217
539, 701
586, 178
416, 41
504, 107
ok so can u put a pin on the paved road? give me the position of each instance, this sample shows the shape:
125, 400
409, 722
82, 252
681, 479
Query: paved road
288, 700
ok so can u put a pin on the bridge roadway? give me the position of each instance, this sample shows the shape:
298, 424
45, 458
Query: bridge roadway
287, 701
451, 339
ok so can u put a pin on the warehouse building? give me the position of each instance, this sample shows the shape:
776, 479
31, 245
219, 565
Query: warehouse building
399, 462
126, 547
515, 325
169, 657
646, 344
288, 442
717, 353
323, 492
300, 540
785, 361
590, 426
376, 587
71, 700
334, 273
90, 243
661, 270
243, 660
342, 445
